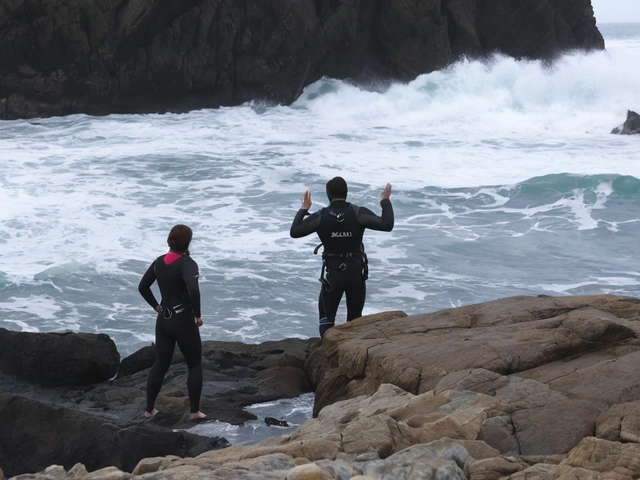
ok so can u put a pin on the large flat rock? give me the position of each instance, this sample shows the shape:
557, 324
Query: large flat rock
553, 364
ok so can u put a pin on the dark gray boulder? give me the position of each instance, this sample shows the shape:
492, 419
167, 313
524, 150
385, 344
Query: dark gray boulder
60, 57
102, 424
35, 435
235, 375
631, 126
58, 359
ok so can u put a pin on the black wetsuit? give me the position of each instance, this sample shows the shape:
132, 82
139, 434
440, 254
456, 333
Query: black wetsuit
340, 227
180, 304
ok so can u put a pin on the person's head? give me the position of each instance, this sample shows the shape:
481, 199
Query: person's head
337, 189
179, 238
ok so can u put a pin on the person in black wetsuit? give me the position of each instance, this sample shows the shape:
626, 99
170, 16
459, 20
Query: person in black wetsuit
178, 319
340, 227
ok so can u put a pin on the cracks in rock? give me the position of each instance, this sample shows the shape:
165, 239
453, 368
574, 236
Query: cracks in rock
507, 369
575, 369
515, 434
386, 337
610, 341
547, 314
572, 331
558, 377
366, 361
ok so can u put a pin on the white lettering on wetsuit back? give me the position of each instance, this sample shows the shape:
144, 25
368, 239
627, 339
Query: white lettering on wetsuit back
340, 234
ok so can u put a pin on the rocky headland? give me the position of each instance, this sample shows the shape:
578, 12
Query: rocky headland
61, 57
518, 388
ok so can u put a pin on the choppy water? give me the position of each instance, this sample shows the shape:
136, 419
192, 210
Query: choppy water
506, 181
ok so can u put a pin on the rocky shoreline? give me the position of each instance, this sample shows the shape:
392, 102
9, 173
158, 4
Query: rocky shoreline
518, 388
57, 407
60, 57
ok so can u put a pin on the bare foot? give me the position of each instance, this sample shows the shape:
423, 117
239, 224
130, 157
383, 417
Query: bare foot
197, 416
152, 414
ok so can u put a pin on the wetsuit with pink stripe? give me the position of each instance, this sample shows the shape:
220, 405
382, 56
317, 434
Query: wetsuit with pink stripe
177, 277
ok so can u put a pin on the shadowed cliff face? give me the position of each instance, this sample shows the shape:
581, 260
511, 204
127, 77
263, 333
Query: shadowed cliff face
60, 57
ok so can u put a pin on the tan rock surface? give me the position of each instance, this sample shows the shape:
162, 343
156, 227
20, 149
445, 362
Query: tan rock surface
495, 468
387, 422
605, 456
541, 471
517, 388
620, 423
308, 472
553, 364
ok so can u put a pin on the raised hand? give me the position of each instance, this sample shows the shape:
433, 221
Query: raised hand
306, 200
386, 193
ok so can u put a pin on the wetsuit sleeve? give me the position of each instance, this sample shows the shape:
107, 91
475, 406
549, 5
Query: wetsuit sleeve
190, 276
370, 220
144, 287
301, 227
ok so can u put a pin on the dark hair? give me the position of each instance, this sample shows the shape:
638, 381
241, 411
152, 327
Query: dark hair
336, 188
179, 238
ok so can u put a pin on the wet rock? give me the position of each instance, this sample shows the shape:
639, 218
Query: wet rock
58, 359
150, 56
36, 434
235, 376
274, 421
631, 125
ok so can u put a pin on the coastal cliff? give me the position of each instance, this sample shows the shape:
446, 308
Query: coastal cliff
516, 388
61, 57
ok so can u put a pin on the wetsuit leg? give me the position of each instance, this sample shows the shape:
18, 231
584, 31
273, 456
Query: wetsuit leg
165, 345
328, 305
356, 295
190, 344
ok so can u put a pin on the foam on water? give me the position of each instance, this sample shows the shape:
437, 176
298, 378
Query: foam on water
506, 181
293, 411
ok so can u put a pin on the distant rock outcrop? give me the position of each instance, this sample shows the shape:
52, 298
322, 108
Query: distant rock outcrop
60, 57
631, 126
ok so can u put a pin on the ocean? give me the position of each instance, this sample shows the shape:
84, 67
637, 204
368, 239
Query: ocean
506, 181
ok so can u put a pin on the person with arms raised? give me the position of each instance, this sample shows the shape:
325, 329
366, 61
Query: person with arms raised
341, 227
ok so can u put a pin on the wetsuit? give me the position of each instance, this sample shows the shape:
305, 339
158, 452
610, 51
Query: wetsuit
340, 227
177, 277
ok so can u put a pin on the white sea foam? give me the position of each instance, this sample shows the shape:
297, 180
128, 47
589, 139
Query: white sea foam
600, 282
294, 411
23, 326
88, 201
37, 305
